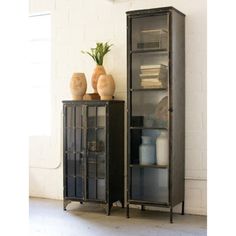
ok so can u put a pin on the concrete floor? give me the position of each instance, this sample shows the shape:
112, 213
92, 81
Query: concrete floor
47, 218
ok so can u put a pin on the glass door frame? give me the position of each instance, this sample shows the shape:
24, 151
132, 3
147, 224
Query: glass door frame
129, 97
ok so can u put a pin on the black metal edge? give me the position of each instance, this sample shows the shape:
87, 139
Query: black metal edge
64, 154
170, 113
91, 101
137, 202
128, 106
107, 154
153, 11
76, 199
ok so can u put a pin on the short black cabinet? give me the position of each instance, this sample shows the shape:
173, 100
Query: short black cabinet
156, 108
93, 152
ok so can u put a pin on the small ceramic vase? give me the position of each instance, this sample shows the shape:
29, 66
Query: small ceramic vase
99, 70
147, 151
78, 86
106, 87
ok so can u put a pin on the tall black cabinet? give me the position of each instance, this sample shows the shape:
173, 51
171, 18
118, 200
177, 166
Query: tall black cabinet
156, 108
93, 152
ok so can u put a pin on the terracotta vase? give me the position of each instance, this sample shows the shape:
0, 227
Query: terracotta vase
99, 70
106, 87
78, 86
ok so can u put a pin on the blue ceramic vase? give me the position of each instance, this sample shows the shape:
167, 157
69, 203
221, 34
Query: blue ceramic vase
147, 151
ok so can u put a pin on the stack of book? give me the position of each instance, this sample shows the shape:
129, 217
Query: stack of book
153, 76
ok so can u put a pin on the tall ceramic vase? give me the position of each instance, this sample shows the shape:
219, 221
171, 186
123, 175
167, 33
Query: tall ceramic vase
99, 70
147, 151
78, 86
106, 87
162, 149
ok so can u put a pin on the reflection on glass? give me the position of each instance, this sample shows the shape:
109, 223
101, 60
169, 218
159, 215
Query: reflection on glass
160, 139
100, 140
70, 116
150, 33
101, 168
92, 188
91, 170
79, 187
70, 186
70, 143
101, 190
149, 184
101, 116
78, 135
79, 164
78, 120
149, 70
146, 110
91, 140
91, 116
70, 164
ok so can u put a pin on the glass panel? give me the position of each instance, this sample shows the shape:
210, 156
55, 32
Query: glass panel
78, 121
149, 184
91, 116
79, 187
92, 188
70, 116
149, 70
70, 186
70, 141
91, 140
78, 140
149, 109
101, 189
101, 116
92, 170
100, 140
79, 164
84, 147
101, 167
70, 164
149, 147
150, 33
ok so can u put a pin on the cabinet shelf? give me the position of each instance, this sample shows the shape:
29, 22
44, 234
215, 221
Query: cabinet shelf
147, 89
154, 50
149, 166
149, 128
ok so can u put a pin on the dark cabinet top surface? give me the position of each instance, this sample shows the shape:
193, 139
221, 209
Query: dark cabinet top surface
153, 11
92, 101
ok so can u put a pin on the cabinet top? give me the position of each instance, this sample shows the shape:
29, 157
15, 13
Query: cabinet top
153, 11
92, 101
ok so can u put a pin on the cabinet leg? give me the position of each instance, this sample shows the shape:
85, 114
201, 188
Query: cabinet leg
81, 203
142, 208
171, 214
65, 203
127, 210
108, 208
182, 208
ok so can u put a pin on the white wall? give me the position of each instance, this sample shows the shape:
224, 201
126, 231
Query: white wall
77, 25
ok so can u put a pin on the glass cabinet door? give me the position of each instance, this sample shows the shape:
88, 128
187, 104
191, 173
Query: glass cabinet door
96, 145
149, 108
74, 152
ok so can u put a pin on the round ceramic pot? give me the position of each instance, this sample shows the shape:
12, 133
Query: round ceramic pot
78, 86
98, 70
106, 87
147, 151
